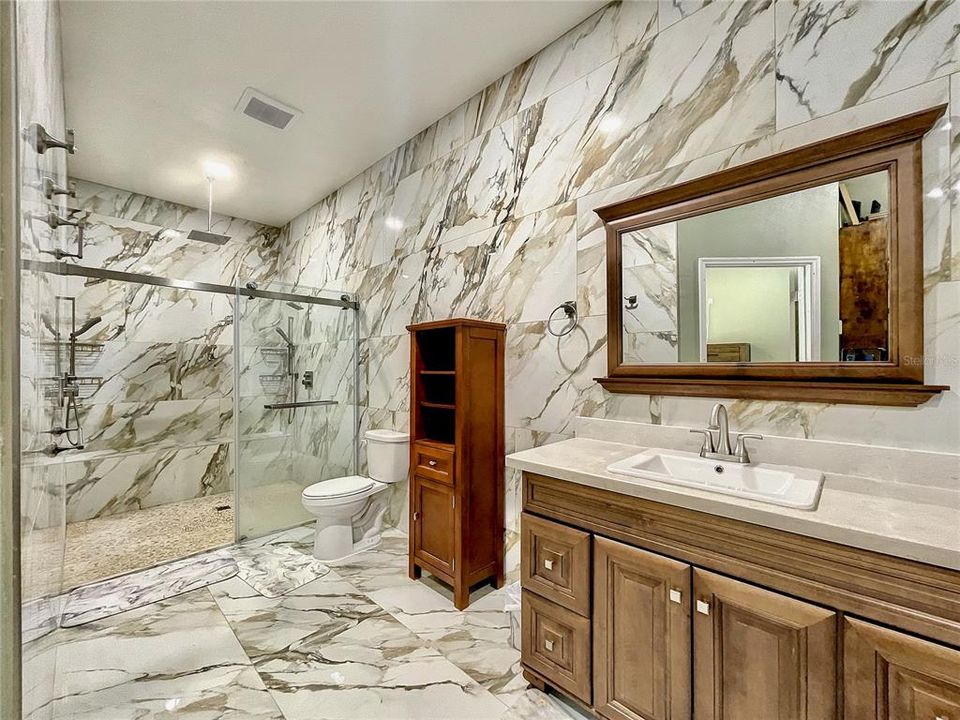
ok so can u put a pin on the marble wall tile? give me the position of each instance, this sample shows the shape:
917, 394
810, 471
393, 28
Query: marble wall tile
171, 423
607, 112
564, 368
119, 483
672, 11
483, 186
647, 111
835, 55
442, 137
388, 376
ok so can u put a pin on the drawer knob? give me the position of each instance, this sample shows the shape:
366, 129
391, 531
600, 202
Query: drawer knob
548, 644
703, 608
676, 596
416, 515
432, 463
548, 564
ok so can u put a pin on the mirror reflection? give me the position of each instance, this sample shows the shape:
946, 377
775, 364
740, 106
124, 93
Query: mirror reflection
800, 277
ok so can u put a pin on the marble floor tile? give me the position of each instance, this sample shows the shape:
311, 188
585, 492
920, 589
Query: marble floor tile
274, 570
174, 658
477, 640
362, 642
377, 669
326, 650
111, 597
378, 569
271, 627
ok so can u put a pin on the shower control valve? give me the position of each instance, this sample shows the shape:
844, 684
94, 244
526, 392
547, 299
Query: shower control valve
307, 380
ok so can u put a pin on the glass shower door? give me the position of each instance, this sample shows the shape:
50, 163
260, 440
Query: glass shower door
295, 408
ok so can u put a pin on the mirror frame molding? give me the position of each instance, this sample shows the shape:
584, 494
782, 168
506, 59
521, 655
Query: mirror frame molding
894, 146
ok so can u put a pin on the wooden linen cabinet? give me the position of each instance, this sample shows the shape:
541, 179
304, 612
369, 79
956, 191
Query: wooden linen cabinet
456, 453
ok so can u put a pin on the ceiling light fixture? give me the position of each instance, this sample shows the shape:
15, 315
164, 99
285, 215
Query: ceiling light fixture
215, 170
394, 223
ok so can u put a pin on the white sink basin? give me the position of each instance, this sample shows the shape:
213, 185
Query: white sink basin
776, 484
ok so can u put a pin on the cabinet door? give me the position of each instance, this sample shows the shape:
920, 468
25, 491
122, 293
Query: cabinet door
641, 631
758, 654
888, 675
434, 523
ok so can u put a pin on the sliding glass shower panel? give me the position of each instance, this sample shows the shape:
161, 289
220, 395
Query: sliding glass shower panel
296, 401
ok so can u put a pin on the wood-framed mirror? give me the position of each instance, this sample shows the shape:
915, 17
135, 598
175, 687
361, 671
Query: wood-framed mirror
796, 277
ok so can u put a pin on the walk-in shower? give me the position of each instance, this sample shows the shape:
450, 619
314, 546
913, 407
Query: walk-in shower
197, 438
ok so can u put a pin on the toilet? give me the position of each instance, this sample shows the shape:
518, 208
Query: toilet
346, 522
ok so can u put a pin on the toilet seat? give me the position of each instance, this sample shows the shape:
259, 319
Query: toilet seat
338, 488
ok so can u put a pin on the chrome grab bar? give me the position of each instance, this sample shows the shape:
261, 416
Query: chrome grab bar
303, 403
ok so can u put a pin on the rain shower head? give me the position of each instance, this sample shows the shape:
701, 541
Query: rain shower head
208, 235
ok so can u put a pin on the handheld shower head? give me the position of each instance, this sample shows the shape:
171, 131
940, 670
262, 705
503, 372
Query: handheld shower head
286, 338
86, 326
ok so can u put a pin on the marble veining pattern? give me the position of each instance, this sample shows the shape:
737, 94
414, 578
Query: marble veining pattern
275, 570
363, 641
110, 597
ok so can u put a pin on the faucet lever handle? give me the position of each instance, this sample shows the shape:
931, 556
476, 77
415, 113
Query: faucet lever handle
707, 440
741, 451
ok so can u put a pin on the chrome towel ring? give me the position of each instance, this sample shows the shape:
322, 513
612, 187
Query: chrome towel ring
569, 307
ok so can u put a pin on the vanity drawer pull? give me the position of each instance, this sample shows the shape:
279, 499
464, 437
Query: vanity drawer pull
548, 644
703, 607
432, 463
676, 596
548, 564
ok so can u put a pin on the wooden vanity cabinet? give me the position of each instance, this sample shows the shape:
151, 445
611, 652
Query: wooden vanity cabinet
686, 616
641, 634
759, 654
890, 675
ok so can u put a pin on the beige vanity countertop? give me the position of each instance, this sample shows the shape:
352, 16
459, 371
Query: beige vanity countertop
905, 521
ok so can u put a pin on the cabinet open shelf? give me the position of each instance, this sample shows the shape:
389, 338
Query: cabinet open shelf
437, 406
440, 373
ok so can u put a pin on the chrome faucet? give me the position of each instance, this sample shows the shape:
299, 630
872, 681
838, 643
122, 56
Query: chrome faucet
721, 449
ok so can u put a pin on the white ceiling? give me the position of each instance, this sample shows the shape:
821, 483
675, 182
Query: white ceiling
151, 88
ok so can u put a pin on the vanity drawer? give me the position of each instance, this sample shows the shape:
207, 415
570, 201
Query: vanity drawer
556, 644
555, 562
433, 462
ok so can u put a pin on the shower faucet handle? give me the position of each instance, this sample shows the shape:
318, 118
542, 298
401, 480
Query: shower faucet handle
40, 140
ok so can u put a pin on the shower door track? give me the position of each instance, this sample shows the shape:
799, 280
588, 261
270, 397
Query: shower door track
69, 269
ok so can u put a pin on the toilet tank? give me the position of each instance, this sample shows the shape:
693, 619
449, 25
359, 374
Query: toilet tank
388, 455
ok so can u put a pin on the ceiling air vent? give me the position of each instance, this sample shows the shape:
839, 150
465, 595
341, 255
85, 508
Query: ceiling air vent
274, 113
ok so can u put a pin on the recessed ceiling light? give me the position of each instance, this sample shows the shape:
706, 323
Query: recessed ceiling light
936, 193
394, 223
216, 170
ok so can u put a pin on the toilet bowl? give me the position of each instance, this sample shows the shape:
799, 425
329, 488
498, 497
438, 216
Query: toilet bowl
349, 515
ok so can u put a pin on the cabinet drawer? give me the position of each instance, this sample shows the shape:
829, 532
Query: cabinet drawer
556, 644
555, 562
433, 462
